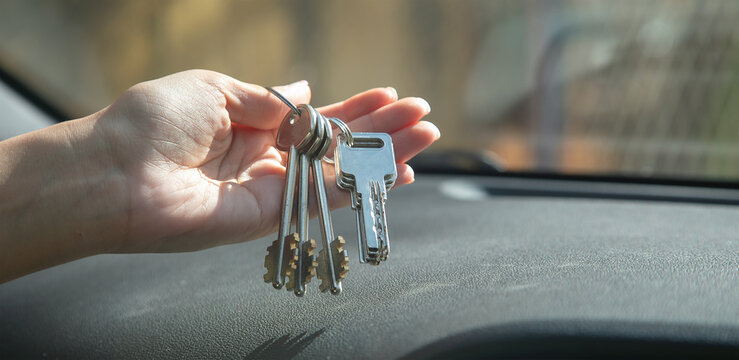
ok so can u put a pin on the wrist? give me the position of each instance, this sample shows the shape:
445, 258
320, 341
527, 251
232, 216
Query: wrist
63, 198
103, 181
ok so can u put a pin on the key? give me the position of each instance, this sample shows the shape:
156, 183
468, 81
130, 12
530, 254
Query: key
348, 184
336, 266
296, 134
306, 135
303, 269
367, 169
303, 274
279, 256
332, 259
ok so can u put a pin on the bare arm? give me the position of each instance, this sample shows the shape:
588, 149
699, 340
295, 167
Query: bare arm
60, 198
180, 163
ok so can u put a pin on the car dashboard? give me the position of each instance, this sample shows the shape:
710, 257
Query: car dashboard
487, 267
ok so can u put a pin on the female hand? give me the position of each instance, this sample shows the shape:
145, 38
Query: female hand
181, 163
197, 150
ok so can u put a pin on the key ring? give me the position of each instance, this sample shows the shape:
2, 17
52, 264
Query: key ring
338, 122
345, 132
284, 100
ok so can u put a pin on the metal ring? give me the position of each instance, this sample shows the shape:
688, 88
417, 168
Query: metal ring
284, 100
344, 129
345, 132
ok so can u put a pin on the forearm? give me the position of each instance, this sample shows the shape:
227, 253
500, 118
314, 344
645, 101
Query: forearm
61, 198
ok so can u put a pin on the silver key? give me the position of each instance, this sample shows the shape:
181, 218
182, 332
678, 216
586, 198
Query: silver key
306, 135
332, 259
305, 258
295, 134
299, 133
367, 168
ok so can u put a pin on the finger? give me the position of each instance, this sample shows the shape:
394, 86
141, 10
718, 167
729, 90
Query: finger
405, 175
262, 194
360, 104
392, 117
412, 140
389, 119
254, 106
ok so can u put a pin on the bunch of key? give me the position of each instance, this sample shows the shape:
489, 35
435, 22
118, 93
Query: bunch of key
364, 165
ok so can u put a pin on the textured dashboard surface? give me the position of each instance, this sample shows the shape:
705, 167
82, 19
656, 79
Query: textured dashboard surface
462, 261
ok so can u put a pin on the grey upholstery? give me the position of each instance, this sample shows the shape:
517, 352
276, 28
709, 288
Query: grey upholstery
462, 262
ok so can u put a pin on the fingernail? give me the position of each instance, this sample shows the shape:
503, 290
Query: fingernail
437, 135
407, 172
299, 83
393, 92
424, 104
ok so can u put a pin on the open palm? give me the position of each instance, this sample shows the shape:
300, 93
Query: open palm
198, 151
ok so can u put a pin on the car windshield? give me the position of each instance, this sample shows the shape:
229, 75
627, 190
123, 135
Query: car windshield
628, 88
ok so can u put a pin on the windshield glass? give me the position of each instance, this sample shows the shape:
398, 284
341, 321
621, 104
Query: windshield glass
633, 88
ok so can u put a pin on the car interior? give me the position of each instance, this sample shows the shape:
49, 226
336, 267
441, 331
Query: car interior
583, 201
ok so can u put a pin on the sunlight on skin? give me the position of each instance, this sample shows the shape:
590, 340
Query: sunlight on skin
181, 163
198, 148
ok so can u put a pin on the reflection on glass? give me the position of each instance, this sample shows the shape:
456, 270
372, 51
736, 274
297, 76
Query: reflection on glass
644, 88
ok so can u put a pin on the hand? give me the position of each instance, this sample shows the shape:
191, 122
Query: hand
197, 150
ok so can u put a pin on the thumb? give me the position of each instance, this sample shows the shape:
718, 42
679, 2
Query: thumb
254, 106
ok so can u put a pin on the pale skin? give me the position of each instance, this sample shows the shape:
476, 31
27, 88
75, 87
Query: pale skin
181, 163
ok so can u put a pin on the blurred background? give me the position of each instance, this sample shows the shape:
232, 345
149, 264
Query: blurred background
635, 88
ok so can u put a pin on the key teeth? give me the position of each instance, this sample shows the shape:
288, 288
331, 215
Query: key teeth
289, 256
341, 267
269, 261
309, 270
291, 243
343, 255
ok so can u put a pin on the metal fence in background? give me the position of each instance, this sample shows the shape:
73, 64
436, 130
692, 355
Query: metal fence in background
664, 103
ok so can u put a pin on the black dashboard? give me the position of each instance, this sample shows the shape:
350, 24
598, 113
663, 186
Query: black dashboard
479, 267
